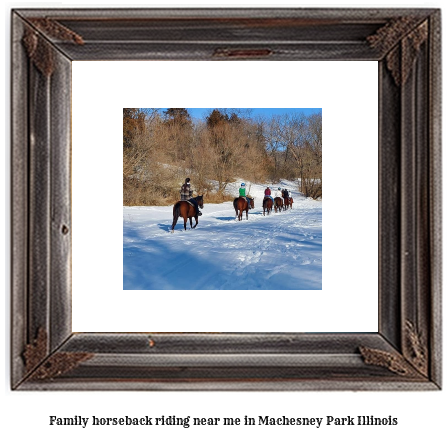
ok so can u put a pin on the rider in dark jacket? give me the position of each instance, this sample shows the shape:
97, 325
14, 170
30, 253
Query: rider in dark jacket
186, 195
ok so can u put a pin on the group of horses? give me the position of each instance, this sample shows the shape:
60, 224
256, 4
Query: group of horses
278, 204
186, 210
241, 204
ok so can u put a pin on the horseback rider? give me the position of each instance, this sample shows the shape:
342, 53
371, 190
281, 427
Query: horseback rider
285, 194
268, 193
278, 193
243, 195
186, 195
242, 190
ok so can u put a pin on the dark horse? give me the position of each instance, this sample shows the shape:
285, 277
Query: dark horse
288, 202
267, 204
278, 204
240, 205
186, 210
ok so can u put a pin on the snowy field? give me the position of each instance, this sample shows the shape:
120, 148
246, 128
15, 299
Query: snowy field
277, 252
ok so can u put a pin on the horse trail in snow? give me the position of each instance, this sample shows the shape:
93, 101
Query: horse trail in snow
277, 251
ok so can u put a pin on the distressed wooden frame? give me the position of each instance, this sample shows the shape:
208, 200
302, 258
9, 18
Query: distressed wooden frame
405, 354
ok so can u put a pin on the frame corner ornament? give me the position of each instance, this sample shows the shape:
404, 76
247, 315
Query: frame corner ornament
417, 349
400, 56
41, 366
59, 364
36, 351
39, 49
394, 362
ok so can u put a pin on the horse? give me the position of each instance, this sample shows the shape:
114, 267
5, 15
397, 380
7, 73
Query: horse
186, 210
240, 205
290, 201
267, 204
286, 200
278, 204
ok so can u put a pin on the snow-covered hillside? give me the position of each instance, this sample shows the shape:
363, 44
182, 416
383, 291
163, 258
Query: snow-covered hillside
279, 251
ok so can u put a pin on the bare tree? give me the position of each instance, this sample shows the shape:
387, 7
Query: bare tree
160, 152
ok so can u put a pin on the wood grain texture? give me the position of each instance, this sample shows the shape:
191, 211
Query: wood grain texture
390, 207
435, 194
39, 200
60, 202
19, 201
405, 354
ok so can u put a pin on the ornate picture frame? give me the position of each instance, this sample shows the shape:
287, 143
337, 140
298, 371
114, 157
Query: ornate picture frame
405, 353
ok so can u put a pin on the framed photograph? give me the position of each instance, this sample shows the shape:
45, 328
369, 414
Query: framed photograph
401, 261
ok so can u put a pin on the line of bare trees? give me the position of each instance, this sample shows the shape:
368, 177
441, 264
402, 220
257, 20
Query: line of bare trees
161, 148
295, 143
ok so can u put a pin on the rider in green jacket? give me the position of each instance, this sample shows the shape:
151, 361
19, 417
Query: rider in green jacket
242, 190
242, 193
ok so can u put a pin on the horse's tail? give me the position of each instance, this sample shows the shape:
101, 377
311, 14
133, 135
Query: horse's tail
235, 205
175, 214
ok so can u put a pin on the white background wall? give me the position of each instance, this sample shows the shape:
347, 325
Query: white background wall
348, 300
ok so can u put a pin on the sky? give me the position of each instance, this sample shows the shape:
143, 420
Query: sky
201, 113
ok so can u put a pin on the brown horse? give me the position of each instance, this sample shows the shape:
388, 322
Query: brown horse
290, 202
286, 200
278, 204
267, 205
240, 205
186, 211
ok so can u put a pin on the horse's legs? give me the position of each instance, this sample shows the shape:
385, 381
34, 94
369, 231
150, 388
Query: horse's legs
246, 213
197, 221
